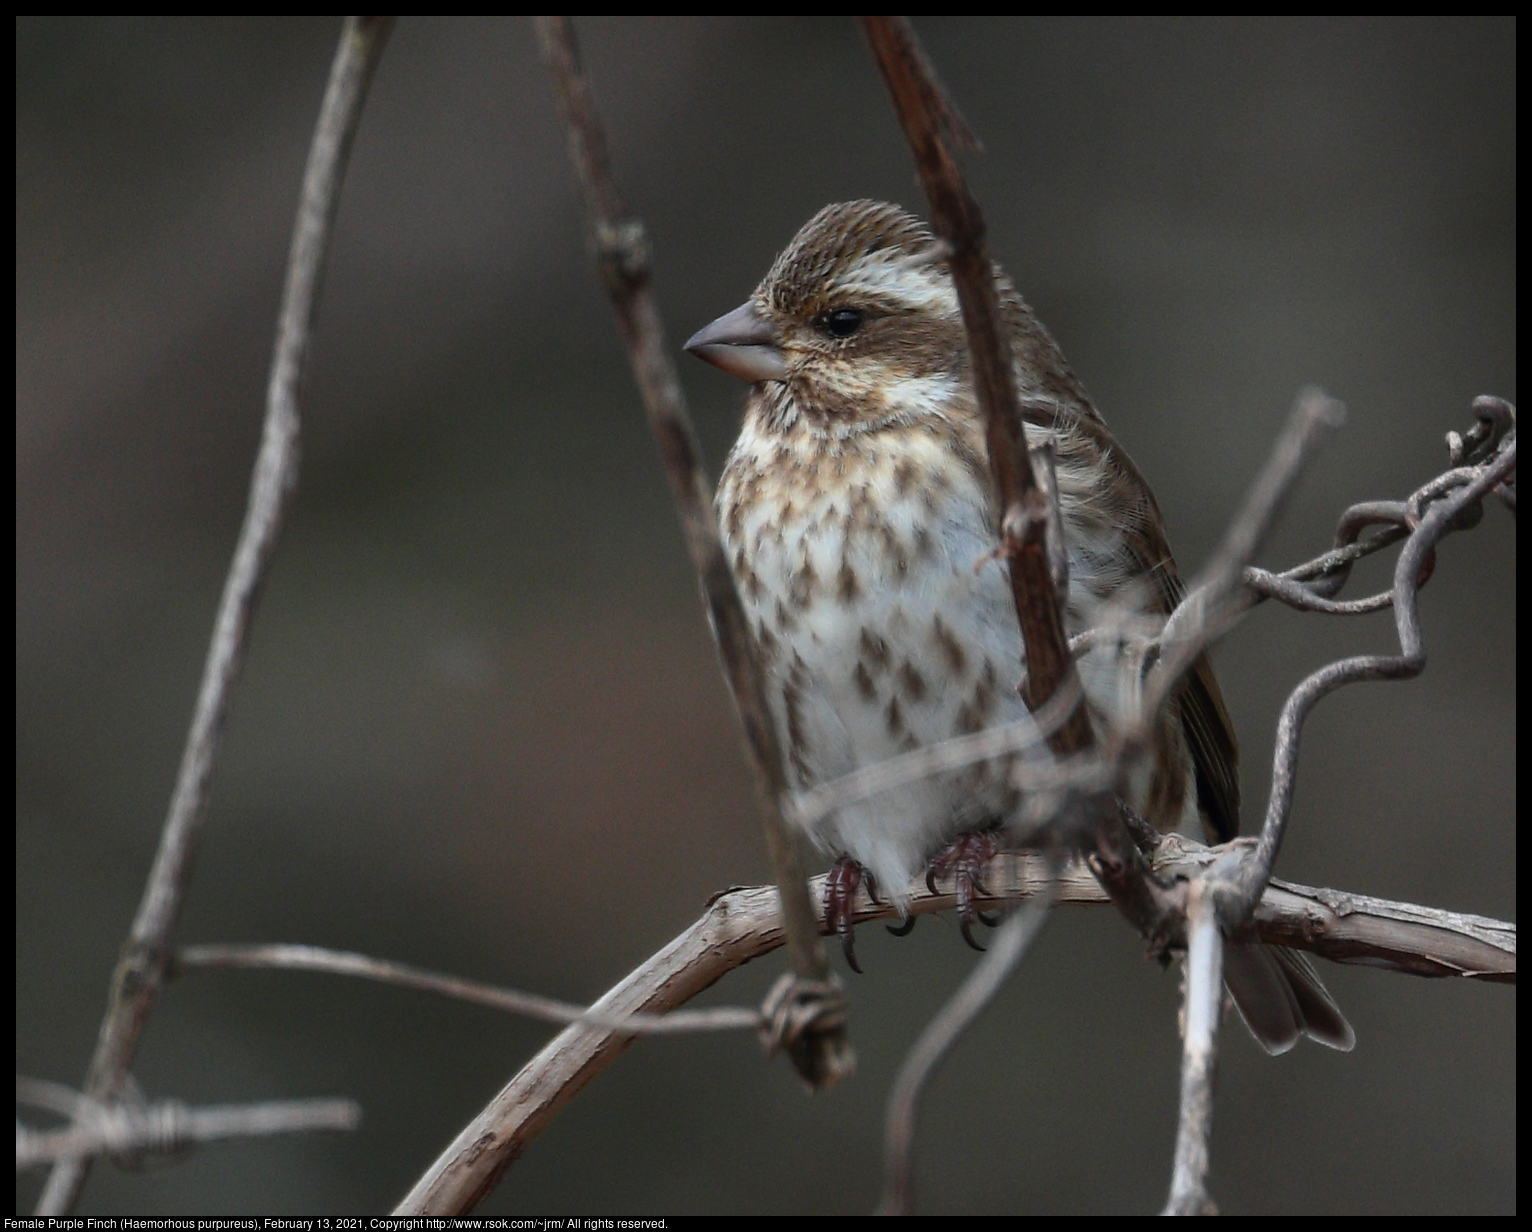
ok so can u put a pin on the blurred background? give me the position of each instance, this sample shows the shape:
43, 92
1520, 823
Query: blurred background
481, 728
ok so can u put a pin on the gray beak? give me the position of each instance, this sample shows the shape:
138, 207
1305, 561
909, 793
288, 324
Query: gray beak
742, 344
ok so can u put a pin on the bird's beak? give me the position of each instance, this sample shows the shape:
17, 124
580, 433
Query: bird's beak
742, 344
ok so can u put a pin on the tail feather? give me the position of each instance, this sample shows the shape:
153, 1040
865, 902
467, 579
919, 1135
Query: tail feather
1279, 995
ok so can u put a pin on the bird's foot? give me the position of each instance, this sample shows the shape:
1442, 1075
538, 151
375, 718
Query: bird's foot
964, 857
846, 876
1145, 836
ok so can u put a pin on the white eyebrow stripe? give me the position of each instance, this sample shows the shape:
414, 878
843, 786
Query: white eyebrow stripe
920, 288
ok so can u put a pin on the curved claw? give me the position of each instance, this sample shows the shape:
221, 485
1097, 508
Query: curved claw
848, 947
964, 858
902, 930
871, 883
840, 893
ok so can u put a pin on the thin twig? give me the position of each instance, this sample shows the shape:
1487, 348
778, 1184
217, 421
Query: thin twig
1214, 598
1006, 949
1322, 577
53, 1096
1246, 886
1310, 586
529, 1005
622, 259
1296, 595
1199, 1057
1329, 571
1238, 880
140, 971
136, 1132
744, 924
925, 113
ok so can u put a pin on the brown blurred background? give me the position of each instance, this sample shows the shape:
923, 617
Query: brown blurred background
481, 728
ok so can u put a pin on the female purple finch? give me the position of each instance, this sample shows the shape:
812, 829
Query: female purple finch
860, 520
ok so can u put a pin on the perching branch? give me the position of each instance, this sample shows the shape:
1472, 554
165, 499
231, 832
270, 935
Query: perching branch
141, 970
744, 924
621, 252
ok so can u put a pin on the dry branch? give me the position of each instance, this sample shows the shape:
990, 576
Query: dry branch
1204, 997
821, 1053
928, 117
402, 975
930, 120
140, 971
1242, 888
133, 1132
744, 924
1237, 881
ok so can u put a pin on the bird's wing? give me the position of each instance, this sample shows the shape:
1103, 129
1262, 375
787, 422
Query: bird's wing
1204, 718
1215, 751
1206, 723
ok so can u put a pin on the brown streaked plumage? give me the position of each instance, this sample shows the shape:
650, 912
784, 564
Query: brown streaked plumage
860, 518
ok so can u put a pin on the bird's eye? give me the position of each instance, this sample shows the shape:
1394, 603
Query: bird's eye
842, 322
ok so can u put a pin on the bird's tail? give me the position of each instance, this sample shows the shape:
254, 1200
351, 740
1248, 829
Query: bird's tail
1279, 995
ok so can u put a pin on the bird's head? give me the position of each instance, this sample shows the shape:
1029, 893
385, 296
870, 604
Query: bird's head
856, 325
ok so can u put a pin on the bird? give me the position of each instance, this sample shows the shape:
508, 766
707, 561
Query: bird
860, 522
